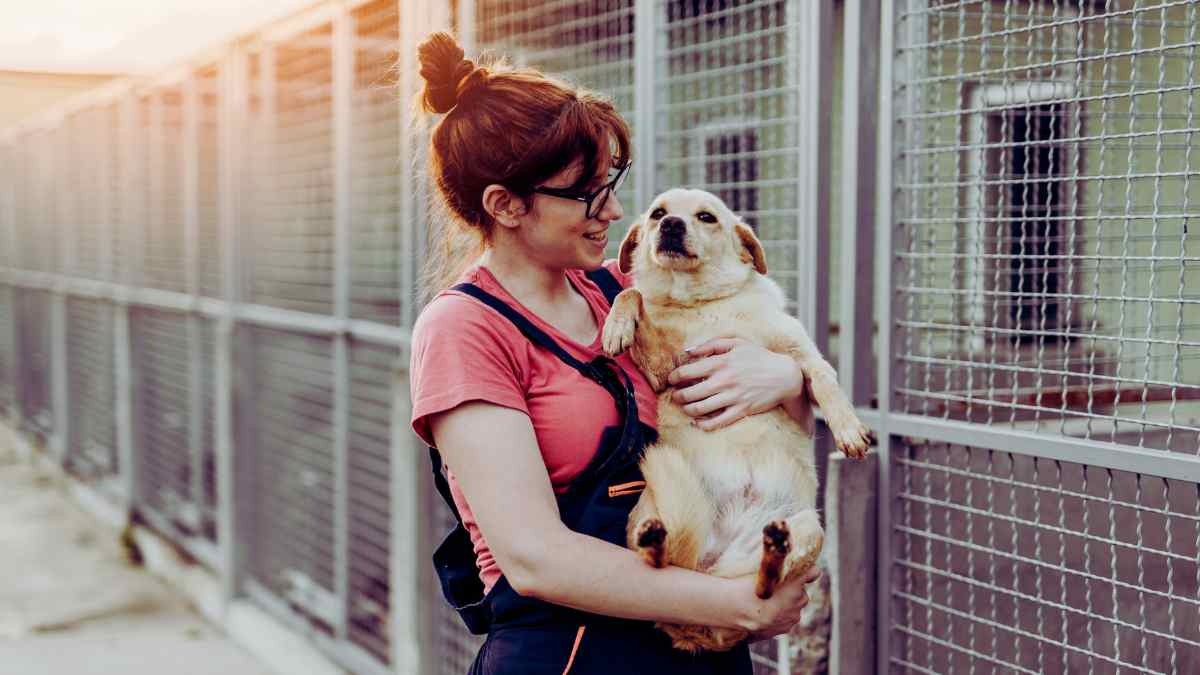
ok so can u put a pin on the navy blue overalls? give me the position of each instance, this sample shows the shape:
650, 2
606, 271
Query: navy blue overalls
527, 636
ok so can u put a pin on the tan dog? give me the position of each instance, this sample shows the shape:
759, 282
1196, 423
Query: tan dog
741, 499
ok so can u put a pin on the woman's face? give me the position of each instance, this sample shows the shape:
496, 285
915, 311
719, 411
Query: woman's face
557, 232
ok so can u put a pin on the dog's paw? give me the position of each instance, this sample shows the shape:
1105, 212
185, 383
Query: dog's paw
852, 437
618, 333
652, 542
776, 545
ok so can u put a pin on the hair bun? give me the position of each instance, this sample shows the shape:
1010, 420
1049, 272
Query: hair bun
448, 76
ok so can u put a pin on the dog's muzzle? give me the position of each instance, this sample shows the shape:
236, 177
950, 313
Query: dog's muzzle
671, 231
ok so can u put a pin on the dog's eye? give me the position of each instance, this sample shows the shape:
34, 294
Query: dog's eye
706, 217
657, 213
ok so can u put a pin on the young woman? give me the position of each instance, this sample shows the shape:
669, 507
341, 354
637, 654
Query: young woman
538, 431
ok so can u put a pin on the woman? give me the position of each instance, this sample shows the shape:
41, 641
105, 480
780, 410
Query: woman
540, 433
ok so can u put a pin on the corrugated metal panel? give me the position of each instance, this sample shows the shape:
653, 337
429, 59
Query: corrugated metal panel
92, 451
291, 525
375, 286
369, 495
293, 240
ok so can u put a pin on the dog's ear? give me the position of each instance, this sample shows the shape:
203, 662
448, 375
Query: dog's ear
752, 250
628, 244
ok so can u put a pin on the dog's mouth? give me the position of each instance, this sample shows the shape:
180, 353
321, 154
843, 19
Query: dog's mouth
673, 247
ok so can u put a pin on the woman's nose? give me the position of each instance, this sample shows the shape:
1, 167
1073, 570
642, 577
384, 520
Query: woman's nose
612, 208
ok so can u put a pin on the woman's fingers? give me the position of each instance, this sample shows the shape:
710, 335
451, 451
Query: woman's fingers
719, 400
694, 370
718, 345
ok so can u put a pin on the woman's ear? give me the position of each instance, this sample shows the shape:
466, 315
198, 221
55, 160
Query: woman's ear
502, 205
628, 244
753, 250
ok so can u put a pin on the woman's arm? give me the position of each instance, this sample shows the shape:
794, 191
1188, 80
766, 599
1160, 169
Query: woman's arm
494, 455
726, 379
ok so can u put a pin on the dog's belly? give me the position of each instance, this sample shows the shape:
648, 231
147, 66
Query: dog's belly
755, 471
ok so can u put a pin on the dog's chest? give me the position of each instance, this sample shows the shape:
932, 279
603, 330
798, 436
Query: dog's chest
666, 330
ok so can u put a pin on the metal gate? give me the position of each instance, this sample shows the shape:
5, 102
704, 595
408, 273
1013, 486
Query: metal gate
1040, 363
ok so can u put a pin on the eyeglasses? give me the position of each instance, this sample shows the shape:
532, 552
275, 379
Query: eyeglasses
595, 200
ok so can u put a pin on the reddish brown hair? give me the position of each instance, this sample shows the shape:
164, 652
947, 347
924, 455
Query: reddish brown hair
514, 127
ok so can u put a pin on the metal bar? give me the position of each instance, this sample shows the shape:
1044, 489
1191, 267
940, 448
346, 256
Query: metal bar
813, 54
465, 20
343, 98
190, 188
646, 48
1091, 452
54, 155
229, 494
884, 281
408, 87
123, 348
860, 119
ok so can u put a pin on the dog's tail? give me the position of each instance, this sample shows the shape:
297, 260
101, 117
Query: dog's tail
684, 505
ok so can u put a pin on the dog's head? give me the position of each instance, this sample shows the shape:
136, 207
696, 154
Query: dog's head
692, 232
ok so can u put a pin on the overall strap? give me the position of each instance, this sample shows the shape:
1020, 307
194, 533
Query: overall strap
607, 282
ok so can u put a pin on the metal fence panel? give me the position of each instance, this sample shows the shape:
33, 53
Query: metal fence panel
377, 291
8, 351
290, 528
92, 449
293, 241
369, 495
1013, 563
164, 244
1049, 182
175, 464
34, 372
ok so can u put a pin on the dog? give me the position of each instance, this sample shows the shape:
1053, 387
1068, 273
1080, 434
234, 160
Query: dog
742, 499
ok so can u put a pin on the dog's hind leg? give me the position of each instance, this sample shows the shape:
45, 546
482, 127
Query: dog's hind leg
789, 547
674, 497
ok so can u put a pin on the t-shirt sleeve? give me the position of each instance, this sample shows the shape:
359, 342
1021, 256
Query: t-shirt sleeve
462, 352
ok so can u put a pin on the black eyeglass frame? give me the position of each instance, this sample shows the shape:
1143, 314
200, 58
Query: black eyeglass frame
590, 197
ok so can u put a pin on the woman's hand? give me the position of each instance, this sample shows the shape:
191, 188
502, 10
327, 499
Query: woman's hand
726, 379
779, 613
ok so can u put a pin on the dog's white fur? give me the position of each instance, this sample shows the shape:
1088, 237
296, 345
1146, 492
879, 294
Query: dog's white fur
723, 502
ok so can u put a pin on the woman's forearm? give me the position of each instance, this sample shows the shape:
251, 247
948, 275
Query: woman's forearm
593, 575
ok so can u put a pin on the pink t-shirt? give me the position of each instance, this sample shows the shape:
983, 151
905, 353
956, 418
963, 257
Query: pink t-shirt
464, 351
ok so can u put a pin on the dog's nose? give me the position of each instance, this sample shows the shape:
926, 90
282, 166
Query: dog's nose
672, 225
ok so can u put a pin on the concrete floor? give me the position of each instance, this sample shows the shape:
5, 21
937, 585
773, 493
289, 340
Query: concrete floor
70, 604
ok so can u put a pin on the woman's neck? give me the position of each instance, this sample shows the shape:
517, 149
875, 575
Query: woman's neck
525, 280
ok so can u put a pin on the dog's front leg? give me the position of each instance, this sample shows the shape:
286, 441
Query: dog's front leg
621, 325
849, 433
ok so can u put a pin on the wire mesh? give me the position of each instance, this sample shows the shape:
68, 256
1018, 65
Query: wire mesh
8, 351
1046, 184
34, 367
171, 465
208, 230
290, 528
293, 245
376, 291
1012, 563
589, 43
92, 448
370, 502
728, 115
164, 243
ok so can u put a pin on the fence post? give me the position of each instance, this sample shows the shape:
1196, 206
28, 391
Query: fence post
123, 380
228, 379
884, 283
343, 93
55, 209
645, 53
850, 484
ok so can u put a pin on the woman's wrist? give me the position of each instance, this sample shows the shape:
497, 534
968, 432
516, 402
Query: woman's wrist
743, 607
